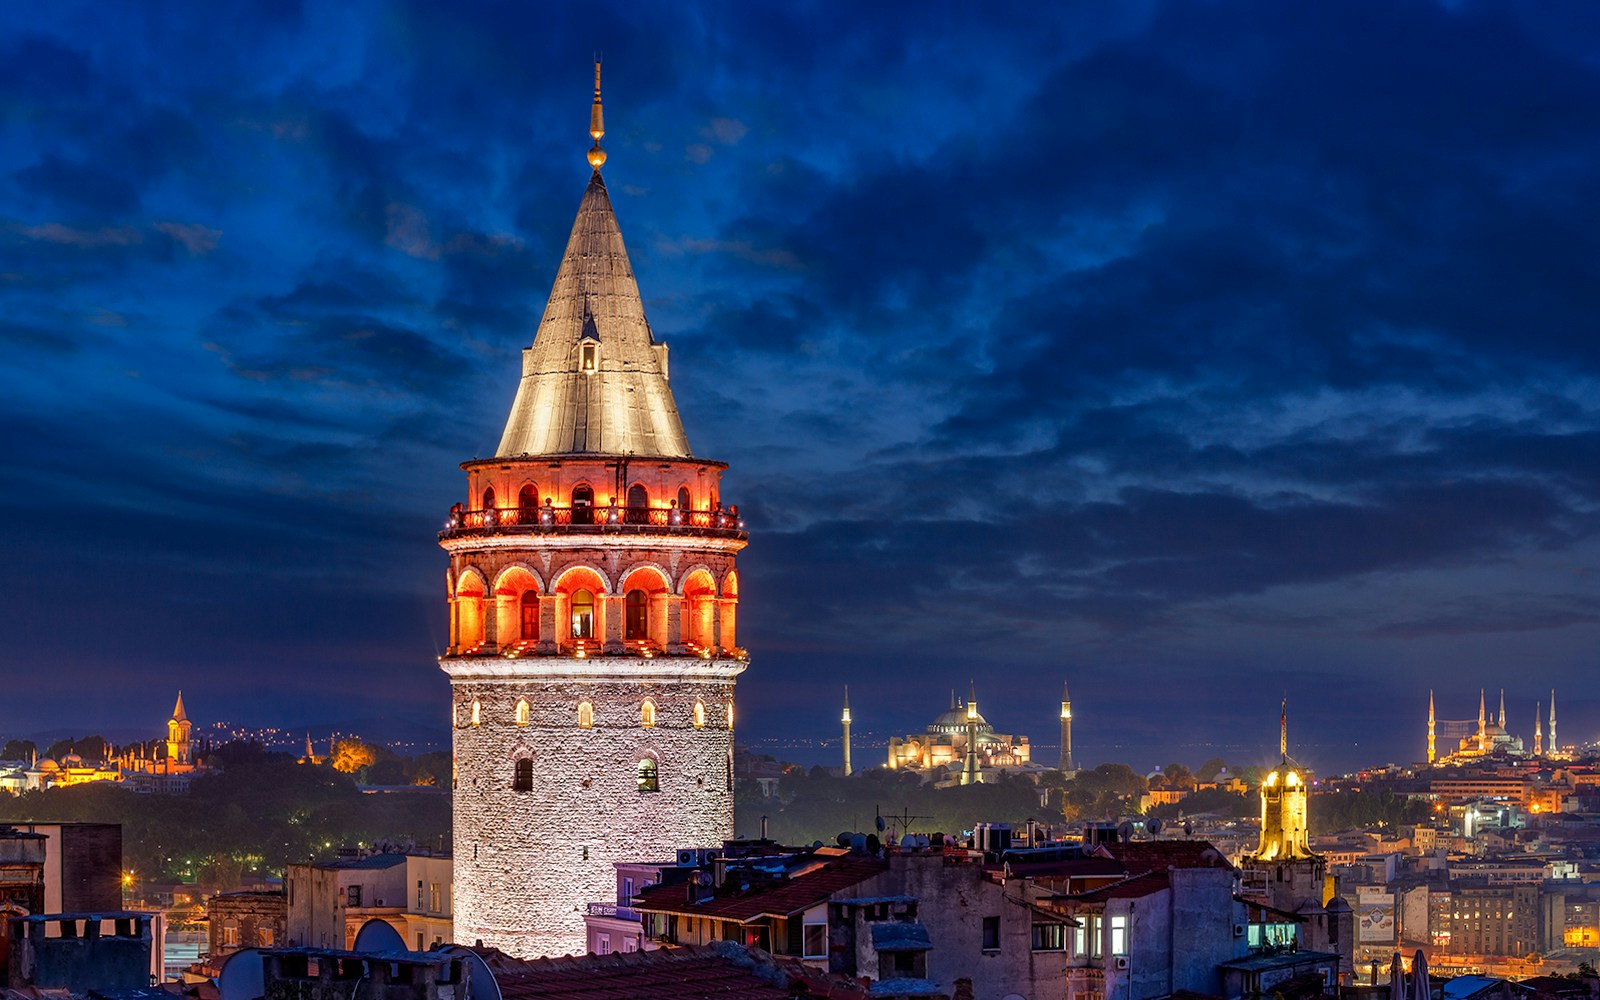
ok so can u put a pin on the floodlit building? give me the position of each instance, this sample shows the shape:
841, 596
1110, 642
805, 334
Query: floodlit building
959, 746
329, 901
592, 595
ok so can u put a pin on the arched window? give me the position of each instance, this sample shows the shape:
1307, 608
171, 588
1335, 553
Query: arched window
582, 614
530, 616
683, 498
477, 712
488, 498
522, 711
730, 714
699, 715
522, 777
585, 715
582, 505
647, 714
638, 511
528, 497
649, 776
637, 617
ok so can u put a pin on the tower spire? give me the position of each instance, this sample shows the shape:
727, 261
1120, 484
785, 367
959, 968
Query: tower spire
845, 720
1283, 729
1483, 723
1431, 756
1538, 731
1066, 732
597, 124
1553, 743
1502, 708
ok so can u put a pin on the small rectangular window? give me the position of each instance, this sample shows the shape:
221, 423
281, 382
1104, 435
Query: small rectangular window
991, 933
1049, 937
1119, 935
265, 937
816, 941
1095, 943
1080, 943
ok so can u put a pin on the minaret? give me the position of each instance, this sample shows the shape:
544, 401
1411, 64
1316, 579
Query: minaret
593, 598
1066, 733
1431, 755
971, 774
1483, 724
1538, 731
1502, 708
845, 720
1554, 746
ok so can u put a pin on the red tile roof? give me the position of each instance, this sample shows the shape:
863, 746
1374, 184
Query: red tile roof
1136, 887
724, 970
778, 898
1140, 856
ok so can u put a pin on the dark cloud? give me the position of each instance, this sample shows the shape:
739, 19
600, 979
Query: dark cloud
1159, 346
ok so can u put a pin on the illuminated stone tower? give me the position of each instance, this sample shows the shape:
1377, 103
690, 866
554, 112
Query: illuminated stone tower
1066, 733
845, 720
592, 596
971, 770
1432, 754
1502, 720
1538, 731
1483, 724
180, 748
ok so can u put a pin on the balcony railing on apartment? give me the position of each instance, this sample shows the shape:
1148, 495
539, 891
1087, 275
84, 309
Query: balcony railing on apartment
584, 519
613, 910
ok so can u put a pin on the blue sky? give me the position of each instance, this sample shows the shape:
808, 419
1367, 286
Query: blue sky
1191, 353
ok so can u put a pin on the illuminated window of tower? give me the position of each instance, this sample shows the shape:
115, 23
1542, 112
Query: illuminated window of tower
530, 616
699, 715
590, 354
477, 712
582, 505
522, 777
647, 714
637, 616
528, 497
488, 497
585, 715
730, 714
582, 614
649, 776
522, 711
683, 498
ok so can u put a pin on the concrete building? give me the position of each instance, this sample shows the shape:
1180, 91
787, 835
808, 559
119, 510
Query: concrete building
79, 952
22, 866
614, 925
328, 901
593, 599
238, 920
82, 866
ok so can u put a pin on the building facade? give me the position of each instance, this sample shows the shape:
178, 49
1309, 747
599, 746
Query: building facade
592, 595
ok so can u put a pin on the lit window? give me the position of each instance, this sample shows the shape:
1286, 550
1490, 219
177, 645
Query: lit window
1119, 935
522, 711
699, 715
590, 354
647, 714
585, 715
477, 712
264, 937
1049, 937
730, 715
1079, 941
649, 779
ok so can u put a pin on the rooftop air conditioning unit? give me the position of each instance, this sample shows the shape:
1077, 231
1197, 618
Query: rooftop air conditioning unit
1238, 930
1121, 961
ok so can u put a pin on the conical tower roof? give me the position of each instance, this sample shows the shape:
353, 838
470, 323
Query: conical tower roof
595, 380
178, 714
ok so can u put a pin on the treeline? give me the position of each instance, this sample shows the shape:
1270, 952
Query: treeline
1332, 812
255, 816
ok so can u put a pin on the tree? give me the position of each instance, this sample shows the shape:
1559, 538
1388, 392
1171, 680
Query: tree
18, 750
1210, 769
1178, 776
351, 755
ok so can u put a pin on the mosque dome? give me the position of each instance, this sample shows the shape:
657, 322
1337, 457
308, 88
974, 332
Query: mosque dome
955, 720
72, 760
48, 765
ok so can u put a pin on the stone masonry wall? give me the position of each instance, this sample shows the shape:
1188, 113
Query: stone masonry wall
527, 863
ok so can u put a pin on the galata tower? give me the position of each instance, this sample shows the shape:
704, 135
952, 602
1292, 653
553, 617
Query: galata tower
592, 597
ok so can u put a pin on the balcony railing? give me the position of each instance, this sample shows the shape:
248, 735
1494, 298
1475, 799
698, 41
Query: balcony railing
584, 519
613, 910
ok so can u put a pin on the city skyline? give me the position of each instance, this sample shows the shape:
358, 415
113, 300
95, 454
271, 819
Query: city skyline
1168, 352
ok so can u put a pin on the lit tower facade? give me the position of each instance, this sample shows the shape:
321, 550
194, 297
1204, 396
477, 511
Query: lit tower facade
1432, 753
971, 770
1066, 733
592, 596
845, 721
1538, 731
180, 748
1483, 724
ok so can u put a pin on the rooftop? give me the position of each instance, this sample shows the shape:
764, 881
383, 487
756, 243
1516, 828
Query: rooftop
724, 970
780, 897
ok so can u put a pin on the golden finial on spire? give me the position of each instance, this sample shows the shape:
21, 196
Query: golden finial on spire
597, 123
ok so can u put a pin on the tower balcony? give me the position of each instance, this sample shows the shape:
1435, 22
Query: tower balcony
580, 519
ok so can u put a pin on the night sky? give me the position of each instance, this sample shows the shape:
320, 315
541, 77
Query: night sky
1192, 353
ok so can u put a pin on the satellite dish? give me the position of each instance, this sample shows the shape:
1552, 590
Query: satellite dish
481, 984
704, 878
843, 839
378, 935
1124, 831
1154, 827
243, 976
879, 823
